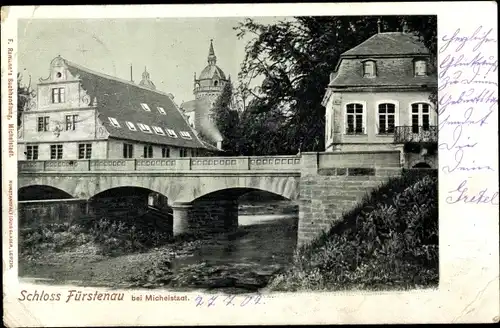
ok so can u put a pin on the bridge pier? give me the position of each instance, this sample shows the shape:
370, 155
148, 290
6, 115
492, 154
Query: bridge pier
205, 216
181, 214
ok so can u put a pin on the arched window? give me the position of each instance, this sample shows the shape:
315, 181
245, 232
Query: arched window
355, 119
369, 68
216, 83
386, 118
420, 67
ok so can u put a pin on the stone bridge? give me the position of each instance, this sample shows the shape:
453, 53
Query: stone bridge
204, 191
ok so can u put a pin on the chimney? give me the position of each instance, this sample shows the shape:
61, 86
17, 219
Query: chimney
219, 144
131, 76
379, 23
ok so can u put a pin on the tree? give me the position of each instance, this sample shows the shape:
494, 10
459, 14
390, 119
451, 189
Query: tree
226, 120
25, 97
296, 57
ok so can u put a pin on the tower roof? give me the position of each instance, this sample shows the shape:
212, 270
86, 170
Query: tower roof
146, 82
212, 71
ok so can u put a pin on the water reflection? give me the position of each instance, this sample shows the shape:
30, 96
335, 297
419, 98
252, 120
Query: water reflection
246, 258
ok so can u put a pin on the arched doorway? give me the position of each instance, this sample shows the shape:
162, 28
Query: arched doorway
421, 165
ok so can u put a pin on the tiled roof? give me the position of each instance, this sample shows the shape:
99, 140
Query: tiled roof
390, 72
389, 43
121, 100
212, 71
394, 54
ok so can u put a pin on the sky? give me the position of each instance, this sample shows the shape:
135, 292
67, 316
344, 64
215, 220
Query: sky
172, 49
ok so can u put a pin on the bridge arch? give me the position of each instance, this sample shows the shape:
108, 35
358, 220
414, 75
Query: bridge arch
42, 192
220, 210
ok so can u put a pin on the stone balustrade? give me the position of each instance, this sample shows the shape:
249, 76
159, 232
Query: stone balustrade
241, 163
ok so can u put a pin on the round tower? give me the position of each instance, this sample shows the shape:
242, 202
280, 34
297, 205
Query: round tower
211, 80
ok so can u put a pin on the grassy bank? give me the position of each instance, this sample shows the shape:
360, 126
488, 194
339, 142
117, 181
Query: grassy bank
108, 236
390, 240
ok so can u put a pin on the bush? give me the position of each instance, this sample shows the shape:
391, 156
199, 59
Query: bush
113, 236
391, 238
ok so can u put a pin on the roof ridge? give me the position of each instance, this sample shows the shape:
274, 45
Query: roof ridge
111, 77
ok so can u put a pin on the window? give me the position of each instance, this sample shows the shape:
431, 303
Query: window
71, 122
369, 68
43, 124
183, 152
386, 118
165, 152
420, 68
171, 133
420, 117
158, 130
355, 124
128, 150
56, 151
148, 151
84, 151
57, 95
144, 128
145, 107
185, 135
31, 152
131, 126
114, 122
216, 83
161, 110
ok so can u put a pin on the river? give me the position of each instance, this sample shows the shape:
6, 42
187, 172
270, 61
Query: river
243, 260
239, 261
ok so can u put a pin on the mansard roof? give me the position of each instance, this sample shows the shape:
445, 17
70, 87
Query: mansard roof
389, 43
394, 54
123, 101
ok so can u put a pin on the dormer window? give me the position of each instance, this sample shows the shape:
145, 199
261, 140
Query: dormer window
114, 122
161, 110
144, 128
131, 126
158, 130
145, 107
185, 135
420, 67
171, 133
369, 68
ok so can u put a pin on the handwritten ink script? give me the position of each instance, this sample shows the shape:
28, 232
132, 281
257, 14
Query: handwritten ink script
229, 300
468, 108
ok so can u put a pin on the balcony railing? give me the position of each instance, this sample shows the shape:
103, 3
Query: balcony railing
416, 134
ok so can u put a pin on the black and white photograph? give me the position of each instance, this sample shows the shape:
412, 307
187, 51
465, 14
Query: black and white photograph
229, 154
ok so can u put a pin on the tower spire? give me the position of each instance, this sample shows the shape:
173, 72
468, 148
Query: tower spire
212, 59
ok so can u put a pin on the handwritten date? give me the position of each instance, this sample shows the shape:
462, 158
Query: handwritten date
229, 300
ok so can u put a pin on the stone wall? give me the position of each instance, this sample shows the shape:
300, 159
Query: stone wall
326, 193
40, 212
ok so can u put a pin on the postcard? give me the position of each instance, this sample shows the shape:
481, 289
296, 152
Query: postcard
234, 164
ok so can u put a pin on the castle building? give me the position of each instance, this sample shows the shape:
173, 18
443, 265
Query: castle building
82, 114
378, 99
207, 88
